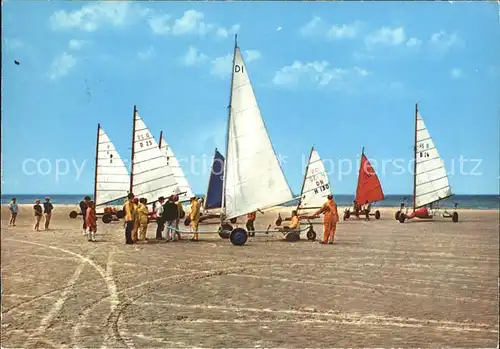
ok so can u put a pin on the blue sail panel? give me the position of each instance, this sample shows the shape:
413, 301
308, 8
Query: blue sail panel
215, 184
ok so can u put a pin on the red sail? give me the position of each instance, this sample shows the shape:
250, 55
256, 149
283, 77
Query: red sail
369, 188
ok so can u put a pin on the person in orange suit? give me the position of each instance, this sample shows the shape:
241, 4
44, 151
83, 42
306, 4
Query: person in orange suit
331, 217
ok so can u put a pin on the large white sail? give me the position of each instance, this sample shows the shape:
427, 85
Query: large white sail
179, 176
431, 179
253, 178
112, 179
316, 185
152, 177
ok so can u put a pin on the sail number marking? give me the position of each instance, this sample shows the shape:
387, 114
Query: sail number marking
145, 138
239, 68
421, 147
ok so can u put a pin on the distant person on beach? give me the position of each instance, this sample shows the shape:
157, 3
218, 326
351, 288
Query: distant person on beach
38, 215
47, 212
367, 210
331, 217
13, 209
180, 215
135, 229
250, 223
143, 218
170, 213
160, 224
129, 210
194, 216
83, 208
91, 221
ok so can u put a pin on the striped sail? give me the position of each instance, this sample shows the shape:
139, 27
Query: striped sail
316, 186
431, 179
112, 178
152, 177
179, 176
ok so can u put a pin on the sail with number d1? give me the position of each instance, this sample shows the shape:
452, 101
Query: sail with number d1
316, 186
151, 177
112, 179
253, 178
180, 178
213, 198
430, 178
369, 188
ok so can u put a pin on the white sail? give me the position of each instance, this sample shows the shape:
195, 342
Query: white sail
253, 177
431, 179
179, 176
316, 185
112, 180
151, 175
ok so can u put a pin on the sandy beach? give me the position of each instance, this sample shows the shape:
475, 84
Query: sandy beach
383, 284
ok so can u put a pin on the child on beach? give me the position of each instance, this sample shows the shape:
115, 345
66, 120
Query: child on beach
91, 221
13, 208
38, 215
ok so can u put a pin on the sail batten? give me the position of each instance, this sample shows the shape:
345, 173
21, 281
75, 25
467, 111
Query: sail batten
177, 170
369, 188
253, 177
316, 185
431, 178
152, 176
112, 178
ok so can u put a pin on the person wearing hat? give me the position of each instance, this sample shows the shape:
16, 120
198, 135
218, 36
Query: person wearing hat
47, 212
331, 217
130, 213
194, 216
160, 224
170, 213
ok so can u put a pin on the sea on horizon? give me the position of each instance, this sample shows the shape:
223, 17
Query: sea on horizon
479, 202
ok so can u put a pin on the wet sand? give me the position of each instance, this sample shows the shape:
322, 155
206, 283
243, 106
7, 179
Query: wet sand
383, 284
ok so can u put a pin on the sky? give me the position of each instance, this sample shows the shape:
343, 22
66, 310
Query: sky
339, 76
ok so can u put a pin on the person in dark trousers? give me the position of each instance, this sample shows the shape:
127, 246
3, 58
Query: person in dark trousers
160, 224
250, 223
170, 214
130, 213
83, 207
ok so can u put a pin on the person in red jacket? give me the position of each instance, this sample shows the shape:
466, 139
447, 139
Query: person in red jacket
91, 221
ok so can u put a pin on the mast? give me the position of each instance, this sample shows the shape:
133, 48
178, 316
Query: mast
415, 160
305, 177
96, 163
161, 137
360, 165
133, 149
223, 208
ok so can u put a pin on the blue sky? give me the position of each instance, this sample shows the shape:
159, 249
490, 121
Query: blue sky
336, 75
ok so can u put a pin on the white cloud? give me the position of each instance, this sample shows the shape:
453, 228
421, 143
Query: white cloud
224, 33
193, 57
279, 28
413, 42
76, 45
318, 73
318, 27
61, 65
456, 73
91, 17
221, 66
147, 53
386, 36
160, 24
444, 41
12, 44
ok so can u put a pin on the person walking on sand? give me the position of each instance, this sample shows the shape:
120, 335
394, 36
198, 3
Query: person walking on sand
194, 216
160, 223
331, 217
91, 221
13, 209
47, 212
170, 212
367, 210
135, 229
180, 215
84, 204
38, 215
130, 213
143, 218
250, 223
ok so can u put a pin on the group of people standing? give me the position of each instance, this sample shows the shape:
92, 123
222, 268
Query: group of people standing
45, 211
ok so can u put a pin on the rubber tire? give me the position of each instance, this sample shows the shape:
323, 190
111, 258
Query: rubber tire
73, 214
402, 218
454, 217
238, 237
311, 234
225, 230
377, 214
107, 218
120, 214
292, 237
396, 216
187, 222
